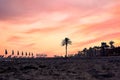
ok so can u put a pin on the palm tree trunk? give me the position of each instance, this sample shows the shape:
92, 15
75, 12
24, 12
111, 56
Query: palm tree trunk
66, 50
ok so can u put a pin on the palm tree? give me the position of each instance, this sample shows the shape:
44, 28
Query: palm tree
65, 43
111, 44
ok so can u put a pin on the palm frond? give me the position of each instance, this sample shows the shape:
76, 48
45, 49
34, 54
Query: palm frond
66, 41
69, 42
63, 42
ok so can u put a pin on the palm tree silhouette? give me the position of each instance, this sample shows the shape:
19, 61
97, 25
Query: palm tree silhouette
65, 43
111, 44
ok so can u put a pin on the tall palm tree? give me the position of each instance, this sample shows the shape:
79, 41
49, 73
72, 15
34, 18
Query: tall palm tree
111, 44
65, 43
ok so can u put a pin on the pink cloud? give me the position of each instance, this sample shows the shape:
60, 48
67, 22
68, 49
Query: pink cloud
45, 30
29, 45
107, 37
15, 9
109, 26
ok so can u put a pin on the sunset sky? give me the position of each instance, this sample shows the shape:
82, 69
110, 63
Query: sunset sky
39, 26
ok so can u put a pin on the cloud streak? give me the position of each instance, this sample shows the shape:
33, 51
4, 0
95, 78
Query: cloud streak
107, 37
14, 9
45, 30
14, 39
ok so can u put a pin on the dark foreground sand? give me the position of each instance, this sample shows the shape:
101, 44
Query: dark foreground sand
61, 69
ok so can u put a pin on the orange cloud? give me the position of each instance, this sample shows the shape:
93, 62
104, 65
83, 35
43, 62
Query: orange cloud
14, 38
45, 30
29, 45
107, 37
116, 10
98, 29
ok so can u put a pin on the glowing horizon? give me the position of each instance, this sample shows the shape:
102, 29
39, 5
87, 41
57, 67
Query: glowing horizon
39, 26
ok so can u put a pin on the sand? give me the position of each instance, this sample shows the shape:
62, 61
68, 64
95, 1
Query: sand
61, 69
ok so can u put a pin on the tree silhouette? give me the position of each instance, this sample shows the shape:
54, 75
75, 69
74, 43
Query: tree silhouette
22, 53
85, 51
17, 53
103, 50
6, 52
111, 44
32, 54
26, 54
96, 48
104, 46
12, 52
29, 54
65, 43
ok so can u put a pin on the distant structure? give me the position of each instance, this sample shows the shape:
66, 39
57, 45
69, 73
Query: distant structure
41, 55
103, 50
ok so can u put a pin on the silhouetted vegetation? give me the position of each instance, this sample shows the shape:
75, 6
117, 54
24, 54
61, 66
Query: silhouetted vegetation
29, 54
22, 53
6, 52
96, 51
103, 50
65, 43
17, 54
73, 67
26, 54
